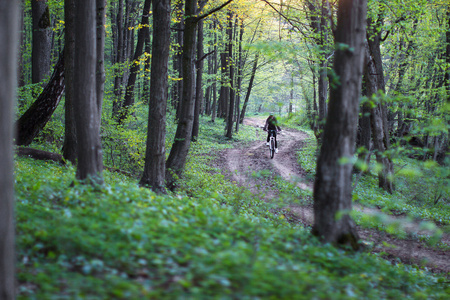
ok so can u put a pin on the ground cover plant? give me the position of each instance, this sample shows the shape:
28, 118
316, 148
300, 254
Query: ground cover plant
210, 240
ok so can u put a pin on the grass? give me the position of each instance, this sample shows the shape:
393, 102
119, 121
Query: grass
211, 240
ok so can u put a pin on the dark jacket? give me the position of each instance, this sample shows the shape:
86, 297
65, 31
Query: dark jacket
271, 124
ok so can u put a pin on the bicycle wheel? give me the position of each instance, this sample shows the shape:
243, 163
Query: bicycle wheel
272, 148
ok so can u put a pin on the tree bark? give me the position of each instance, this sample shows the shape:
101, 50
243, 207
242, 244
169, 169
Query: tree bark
239, 76
374, 79
230, 64
9, 32
143, 33
70, 134
100, 72
119, 58
199, 82
90, 164
178, 60
39, 113
154, 170
249, 88
214, 84
180, 148
332, 187
42, 40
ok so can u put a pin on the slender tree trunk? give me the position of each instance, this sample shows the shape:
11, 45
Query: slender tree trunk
42, 40
332, 187
90, 164
230, 63
374, 79
154, 170
39, 113
224, 94
214, 84
178, 60
364, 133
239, 76
9, 33
146, 92
199, 82
249, 88
100, 72
22, 40
70, 137
143, 33
119, 59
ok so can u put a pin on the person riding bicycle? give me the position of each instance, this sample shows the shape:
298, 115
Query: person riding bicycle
272, 124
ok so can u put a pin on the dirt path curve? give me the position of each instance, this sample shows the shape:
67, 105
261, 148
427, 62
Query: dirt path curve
246, 166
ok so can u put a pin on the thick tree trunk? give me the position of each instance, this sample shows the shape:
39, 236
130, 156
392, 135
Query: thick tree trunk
154, 170
70, 137
9, 32
90, 164
42, 40
249, 89
39, 113
143, 33
180, 148
332, 187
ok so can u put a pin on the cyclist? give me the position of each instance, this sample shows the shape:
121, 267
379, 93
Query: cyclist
272, 124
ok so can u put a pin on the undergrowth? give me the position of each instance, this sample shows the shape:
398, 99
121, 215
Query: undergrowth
210, 240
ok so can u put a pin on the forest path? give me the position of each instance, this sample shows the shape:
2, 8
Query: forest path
248, 166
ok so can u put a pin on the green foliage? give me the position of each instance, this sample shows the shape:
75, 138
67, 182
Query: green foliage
120, 241
211, 240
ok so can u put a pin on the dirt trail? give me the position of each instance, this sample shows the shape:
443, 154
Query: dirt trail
244, 164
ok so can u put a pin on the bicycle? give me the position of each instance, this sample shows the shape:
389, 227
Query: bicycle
272, 143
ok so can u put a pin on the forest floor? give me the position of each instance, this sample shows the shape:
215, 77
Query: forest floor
242, 163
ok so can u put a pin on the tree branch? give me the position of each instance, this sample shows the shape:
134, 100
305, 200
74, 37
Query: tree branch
212, 11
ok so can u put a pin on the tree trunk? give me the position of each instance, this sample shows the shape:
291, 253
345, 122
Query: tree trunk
154, 170
224, 94
199, 79
214, 84
42, 40
143, 33
332, 187
9, 32
146, 92
119, 59
364, 134
90, 164
374, 79
180, 148
70, 137
239, 76
230, 64
100, 72
39, 113
249, 89
178, 61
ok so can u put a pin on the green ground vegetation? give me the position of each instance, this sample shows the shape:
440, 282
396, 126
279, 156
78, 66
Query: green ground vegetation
209, 240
